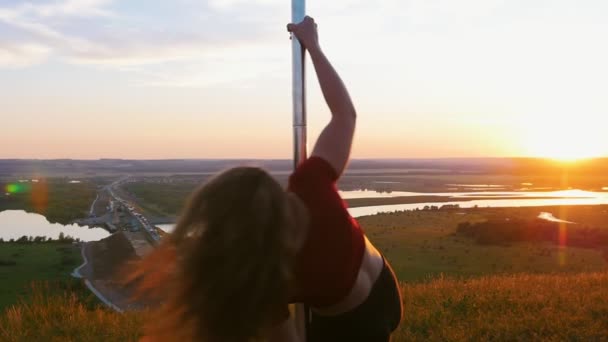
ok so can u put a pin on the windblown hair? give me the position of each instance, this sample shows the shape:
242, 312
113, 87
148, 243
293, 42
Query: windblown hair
224, 274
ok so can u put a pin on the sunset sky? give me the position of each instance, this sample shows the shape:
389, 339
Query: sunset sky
211, 79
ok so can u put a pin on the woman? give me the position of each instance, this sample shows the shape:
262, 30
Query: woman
244, 248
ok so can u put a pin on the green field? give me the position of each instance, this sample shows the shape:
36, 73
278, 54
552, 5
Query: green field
21, 264
57, 199
423, 244
158, 199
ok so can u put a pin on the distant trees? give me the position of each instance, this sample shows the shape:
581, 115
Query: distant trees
42, 239
503, 231
443, 207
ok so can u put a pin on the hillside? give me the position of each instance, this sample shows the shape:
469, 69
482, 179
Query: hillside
522, 307
519, 307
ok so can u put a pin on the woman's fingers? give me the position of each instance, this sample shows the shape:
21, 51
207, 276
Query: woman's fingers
305, 31
307, 22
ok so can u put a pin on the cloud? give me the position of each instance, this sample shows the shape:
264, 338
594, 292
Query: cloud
142, 54
188, 31
232, 4
15, 55
32, 21
424, 40
66, 8
75, 8
237, 66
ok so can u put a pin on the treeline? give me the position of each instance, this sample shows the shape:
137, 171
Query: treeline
56, 199
41, 239
507, 231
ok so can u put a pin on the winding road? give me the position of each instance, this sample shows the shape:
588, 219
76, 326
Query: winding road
76, 273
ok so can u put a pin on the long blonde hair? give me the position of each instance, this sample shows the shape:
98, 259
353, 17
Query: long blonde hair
224, 274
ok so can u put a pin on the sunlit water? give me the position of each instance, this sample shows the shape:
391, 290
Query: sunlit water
520, 199
491, 203
475, 194
166, 227
16, 223
551, 218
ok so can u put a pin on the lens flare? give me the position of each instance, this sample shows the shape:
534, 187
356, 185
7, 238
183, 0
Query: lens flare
40, 195
14, 188
562, 236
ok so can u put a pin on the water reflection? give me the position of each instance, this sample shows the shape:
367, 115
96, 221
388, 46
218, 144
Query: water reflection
574, 193
519, 199
16, 223
166, 227
494, 203
549, 217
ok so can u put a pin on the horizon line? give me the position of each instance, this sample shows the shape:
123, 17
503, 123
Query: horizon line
289, 159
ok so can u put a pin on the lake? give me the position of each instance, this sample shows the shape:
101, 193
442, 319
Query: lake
16, 223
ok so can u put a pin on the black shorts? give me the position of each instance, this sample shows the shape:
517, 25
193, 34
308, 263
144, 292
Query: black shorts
374, 320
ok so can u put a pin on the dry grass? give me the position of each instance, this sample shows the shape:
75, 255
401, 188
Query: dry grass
520, 307
49, 315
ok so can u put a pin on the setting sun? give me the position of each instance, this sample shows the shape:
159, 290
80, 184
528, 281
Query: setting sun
563, 140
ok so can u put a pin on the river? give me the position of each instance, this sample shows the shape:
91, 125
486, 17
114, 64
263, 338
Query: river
467, 200
16, 223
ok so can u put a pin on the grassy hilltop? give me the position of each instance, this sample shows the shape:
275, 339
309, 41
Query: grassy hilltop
509, 307
455, 288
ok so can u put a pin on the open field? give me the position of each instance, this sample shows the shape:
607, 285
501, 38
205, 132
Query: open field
160, 199
57, 199
424, 244
20, 264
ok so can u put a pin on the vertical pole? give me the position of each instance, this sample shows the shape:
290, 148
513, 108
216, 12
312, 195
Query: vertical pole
298, 11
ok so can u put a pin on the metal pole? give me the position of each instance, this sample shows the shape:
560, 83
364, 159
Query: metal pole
298, 11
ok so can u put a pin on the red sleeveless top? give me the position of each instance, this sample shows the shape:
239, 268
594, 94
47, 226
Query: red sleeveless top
326, 267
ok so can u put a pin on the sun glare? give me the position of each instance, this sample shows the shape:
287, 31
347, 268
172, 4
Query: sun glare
562, 141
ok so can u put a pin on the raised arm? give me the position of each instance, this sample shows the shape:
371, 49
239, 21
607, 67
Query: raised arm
335, 141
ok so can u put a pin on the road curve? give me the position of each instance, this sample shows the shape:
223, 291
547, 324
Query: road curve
76, 273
